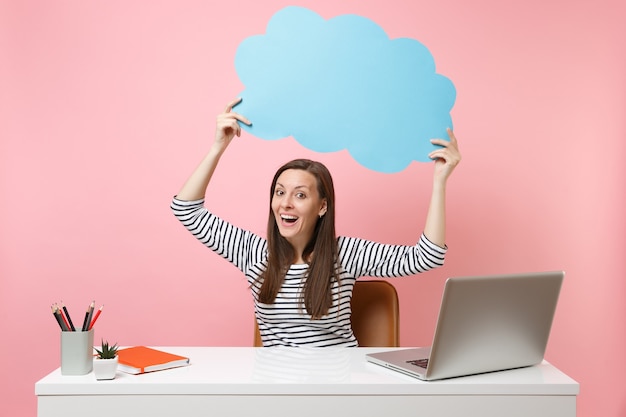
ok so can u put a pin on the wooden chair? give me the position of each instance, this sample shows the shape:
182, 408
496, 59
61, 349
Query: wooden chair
375, 315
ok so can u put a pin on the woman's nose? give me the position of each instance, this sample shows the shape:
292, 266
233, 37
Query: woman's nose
287, 201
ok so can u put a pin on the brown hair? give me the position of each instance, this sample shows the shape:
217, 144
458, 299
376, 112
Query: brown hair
320, 252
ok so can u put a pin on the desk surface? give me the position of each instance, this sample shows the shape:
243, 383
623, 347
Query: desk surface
297, 371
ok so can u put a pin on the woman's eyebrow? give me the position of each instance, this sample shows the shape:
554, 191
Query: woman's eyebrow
296, 187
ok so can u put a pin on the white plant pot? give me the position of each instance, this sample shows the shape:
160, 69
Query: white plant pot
104, 368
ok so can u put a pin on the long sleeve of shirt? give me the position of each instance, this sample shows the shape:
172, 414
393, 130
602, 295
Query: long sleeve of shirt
284, 323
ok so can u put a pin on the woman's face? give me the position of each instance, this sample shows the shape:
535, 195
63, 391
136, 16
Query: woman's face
297, 206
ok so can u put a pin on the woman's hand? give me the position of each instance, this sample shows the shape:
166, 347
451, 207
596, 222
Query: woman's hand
227, 126
446, 158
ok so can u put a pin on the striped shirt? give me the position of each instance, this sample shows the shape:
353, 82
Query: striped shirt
286, 322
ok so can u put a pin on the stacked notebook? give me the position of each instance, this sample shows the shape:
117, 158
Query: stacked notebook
142, 359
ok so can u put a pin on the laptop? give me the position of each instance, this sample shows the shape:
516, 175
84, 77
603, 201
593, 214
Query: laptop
485, 324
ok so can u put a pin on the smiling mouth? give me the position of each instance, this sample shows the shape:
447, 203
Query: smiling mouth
288, 219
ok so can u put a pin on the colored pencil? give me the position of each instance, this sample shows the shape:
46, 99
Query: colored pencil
67, 315
87, 317
60, 313
91, 307
56, 317
96, 317
55, 312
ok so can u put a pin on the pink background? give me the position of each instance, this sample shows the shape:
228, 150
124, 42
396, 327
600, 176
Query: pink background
106, 107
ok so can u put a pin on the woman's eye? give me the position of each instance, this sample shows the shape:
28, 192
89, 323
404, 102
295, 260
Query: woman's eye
279, 192
300, 195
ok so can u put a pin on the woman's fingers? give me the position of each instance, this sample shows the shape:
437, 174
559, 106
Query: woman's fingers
229, 112
233, 103
451, 136
449, 151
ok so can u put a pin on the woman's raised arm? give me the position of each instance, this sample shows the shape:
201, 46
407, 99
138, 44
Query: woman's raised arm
446, 159
227, 127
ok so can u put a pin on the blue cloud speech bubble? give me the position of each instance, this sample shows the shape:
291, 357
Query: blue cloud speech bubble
343, 84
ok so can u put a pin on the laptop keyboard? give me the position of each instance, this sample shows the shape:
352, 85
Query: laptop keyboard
422, 363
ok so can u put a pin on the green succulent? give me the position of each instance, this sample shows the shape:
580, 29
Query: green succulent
107, 352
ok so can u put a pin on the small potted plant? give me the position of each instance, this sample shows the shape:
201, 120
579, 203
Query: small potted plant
105, 362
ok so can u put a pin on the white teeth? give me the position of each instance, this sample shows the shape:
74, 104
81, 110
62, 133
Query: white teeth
287, 217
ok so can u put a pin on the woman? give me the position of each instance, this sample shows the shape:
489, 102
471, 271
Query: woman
302, 275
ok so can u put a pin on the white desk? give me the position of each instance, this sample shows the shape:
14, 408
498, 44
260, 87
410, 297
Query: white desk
277, 382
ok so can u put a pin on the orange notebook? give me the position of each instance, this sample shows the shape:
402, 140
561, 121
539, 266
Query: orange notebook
142, 359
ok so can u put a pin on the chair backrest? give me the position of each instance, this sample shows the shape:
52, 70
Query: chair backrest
375, 315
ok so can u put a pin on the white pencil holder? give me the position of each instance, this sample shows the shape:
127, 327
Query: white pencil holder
76, 352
